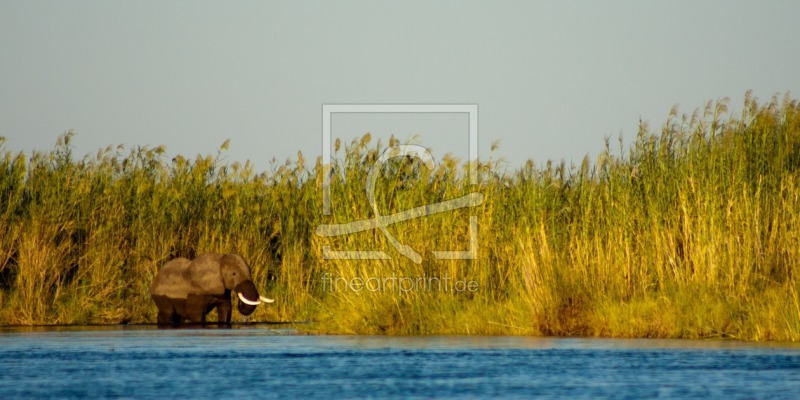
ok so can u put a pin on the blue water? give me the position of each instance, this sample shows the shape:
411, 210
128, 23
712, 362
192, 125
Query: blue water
259, 363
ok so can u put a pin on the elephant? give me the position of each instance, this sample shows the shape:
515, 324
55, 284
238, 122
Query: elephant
188, 290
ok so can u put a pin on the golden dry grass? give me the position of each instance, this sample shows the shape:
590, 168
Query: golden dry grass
690, 232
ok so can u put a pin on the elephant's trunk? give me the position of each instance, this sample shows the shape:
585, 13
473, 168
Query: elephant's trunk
249, 297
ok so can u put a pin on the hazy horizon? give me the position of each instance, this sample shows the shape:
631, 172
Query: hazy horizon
551, 80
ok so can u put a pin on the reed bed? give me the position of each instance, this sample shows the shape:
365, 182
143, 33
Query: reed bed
691, 231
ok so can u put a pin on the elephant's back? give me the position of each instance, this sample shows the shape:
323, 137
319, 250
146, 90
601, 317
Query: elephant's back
171, 281
205, 273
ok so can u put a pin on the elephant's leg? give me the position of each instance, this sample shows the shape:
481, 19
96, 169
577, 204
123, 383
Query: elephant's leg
197, 308
165, 317
166, 310
224, 310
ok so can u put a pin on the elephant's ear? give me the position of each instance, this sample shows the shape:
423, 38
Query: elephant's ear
248, 290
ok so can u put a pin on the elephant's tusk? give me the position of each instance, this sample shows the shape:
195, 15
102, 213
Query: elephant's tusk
266, 299
248, 302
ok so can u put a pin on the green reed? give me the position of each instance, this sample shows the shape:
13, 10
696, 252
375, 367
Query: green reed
689, 231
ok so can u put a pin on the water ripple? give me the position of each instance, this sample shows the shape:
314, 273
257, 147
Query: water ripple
257, 363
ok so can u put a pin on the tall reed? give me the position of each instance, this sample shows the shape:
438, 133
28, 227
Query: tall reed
688, 231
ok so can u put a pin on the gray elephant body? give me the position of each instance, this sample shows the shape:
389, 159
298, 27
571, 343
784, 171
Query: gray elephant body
188, 290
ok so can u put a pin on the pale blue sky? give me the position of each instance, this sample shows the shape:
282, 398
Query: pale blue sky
551, 79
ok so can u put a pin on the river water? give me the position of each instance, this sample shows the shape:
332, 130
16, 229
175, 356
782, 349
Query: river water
265, 362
